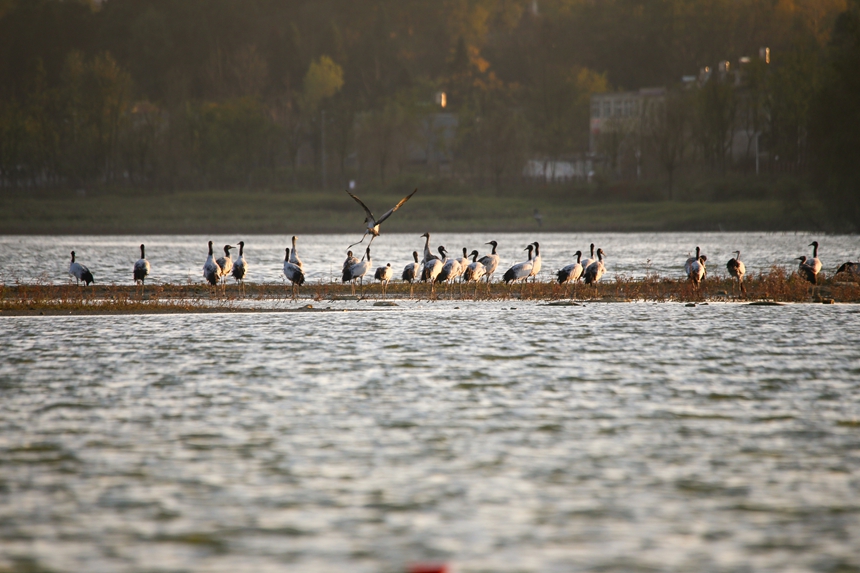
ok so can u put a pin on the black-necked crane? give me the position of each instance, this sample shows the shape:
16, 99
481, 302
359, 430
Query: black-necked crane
450, 271
293, 273
697, 272
806, 270
358, 270
211, 270
428, 255
490, 262
688, 264
225, 264
475, 271
572, 272
520, 271
141, 269
349, 261
849, 268
410, 272
587, 262
372, 222
595, 271
240, 267
432, 268
737, 270
537, 262
80, 272
814, 262
384, 276
294, 256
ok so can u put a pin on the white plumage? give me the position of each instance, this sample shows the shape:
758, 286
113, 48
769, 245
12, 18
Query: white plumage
537, 262
697, 272
384, 276
225, 263
475, 271
80, 272
587, 262
520, 271
572, 272
294, 256
814, 263
358, 270
490, 262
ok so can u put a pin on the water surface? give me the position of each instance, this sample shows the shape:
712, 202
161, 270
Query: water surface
180, 258
495, 436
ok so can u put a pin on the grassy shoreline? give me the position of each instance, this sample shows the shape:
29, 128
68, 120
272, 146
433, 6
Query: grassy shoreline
774, 286
270, 211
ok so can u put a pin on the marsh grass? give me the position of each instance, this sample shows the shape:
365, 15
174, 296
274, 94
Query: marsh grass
775, 284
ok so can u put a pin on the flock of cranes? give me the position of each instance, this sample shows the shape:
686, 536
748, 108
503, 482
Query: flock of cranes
438, 269
442, 269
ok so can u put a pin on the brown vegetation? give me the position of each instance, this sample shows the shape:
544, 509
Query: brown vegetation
773, 285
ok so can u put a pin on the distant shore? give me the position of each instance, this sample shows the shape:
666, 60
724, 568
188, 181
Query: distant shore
272, 211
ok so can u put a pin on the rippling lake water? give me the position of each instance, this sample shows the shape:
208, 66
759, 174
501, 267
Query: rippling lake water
180, 258
496, 436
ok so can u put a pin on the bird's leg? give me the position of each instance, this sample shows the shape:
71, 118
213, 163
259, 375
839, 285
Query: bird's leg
361, 241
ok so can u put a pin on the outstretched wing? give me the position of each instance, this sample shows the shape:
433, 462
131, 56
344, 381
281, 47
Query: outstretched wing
396, 207
363, 206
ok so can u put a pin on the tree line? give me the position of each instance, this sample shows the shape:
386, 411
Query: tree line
261, 93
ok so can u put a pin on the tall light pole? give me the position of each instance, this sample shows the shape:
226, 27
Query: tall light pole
322, 147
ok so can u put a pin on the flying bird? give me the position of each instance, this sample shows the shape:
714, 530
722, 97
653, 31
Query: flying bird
372, 222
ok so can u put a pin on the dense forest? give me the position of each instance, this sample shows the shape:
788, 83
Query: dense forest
166, 94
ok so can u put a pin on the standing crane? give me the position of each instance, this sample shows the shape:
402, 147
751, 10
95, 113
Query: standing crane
211, 270
587, 262
474, 271
372, 222
225, 264
410, 272
536, 262
141, 269
294, 256
688, 264
814, 262
572, 272
80, 272
806, 270
520, 271
697, 272
595, 270
737, 270
490, 262
293, 273
384, 275
240, 267
358, 270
